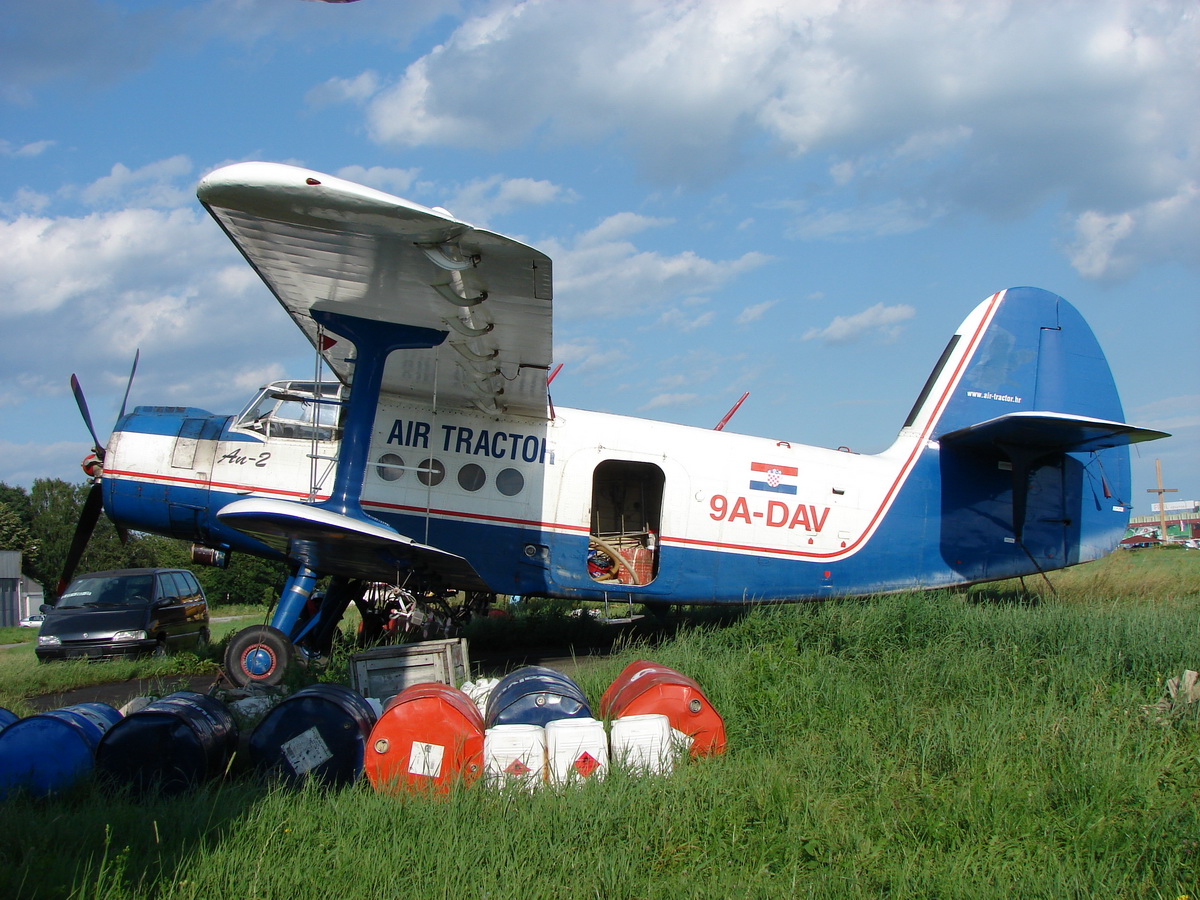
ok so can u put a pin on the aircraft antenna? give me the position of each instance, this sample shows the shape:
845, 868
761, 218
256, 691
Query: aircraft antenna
720, 426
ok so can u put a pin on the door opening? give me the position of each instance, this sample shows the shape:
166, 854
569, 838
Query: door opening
625, 522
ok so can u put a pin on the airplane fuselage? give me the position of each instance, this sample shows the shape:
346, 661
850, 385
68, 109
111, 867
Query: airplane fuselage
701, 516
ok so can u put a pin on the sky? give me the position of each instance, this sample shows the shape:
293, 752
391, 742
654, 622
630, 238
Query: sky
801, 199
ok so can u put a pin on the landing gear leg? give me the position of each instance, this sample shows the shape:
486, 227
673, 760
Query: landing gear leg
339, 595
292, 602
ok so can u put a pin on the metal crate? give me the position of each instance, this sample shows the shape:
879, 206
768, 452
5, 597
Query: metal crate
385, 671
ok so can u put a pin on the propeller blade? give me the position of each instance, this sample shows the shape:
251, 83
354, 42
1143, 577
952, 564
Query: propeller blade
136, 353
83, 531
87, 416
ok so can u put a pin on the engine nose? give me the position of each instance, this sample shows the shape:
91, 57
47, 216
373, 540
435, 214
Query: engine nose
92, 465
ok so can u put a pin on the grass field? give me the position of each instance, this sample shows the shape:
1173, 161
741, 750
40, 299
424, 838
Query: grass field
22, 676
985, 743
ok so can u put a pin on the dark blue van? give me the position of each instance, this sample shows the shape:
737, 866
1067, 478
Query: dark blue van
125, 612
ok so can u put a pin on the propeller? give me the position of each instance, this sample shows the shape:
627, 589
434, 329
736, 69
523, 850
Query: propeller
81, 402
94, 502
88, 516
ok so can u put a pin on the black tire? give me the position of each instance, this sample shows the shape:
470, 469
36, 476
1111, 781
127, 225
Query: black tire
259, 654
202, 641
160, 649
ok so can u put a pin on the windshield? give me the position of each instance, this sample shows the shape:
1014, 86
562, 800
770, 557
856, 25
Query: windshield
295, 409
125, 590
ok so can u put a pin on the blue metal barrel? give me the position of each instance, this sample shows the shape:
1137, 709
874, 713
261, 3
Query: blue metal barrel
169, 745
52, 751
535, 695
319, 733
7, 718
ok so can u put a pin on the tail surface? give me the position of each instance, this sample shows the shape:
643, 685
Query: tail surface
1033, 441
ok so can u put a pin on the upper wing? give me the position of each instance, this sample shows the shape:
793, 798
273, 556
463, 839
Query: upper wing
316, 239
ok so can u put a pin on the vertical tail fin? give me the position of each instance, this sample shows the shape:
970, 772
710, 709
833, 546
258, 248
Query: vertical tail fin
1021, 350
1033, 442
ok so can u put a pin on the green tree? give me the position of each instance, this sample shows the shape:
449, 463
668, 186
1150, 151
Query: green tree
17, 499
15, 535
55, 506
248, 579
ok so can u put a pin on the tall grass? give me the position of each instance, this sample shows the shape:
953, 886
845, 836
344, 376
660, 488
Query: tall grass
950, 744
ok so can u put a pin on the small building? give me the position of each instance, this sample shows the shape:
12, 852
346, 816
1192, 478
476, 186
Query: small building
1183, 524
10, 588
20, 595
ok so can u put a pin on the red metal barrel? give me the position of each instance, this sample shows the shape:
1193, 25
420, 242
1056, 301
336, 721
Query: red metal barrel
429, 737
646, 688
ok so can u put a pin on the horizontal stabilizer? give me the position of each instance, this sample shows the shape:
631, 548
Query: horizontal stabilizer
1050, 432
337, 544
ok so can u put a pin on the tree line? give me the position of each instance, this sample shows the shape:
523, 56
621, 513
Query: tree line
41, 522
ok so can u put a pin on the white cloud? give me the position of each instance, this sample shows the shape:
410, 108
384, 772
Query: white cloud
154, 184
35, 148
1113, 245
358, 89
81, 294
50, 262
590, 355
682, 320
893, 217
480, 200
881, 320
619, 226
24, 202
26, 462
660, 401
615, 278
76, 40
1170, 414
754, 312
921, 110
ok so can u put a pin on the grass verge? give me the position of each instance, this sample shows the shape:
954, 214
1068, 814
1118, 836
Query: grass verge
943, 744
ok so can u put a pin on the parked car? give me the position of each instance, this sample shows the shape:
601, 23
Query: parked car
33, 621
123, 613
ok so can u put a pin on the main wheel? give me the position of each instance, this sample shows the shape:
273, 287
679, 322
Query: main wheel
259, 654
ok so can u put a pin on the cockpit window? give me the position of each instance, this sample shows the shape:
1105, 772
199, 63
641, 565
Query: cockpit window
295, 409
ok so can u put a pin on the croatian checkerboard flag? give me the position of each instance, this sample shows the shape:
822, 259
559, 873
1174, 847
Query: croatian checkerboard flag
770, 477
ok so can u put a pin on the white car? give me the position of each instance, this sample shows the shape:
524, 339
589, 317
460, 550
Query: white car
34, 621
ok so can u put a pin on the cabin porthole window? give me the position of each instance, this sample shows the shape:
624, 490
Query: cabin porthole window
431, 472
510, 482
385, 467
471, 477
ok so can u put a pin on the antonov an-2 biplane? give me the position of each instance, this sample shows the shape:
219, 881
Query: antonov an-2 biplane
435, 461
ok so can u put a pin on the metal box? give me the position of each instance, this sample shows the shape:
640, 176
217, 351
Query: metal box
385, 671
